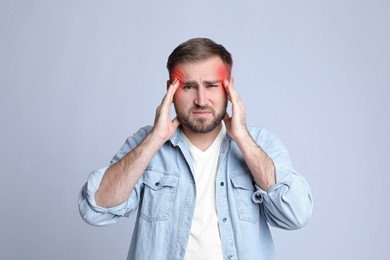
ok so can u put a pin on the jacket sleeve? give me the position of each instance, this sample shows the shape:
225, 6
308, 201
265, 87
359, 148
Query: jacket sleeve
288, 204
99, 216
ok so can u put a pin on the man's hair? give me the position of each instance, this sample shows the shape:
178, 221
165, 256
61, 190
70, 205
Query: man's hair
198, 49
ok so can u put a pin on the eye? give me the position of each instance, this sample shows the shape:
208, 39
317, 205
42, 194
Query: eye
212, 85
188, 86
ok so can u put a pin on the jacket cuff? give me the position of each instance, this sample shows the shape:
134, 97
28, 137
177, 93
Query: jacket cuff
91, 187
283, 178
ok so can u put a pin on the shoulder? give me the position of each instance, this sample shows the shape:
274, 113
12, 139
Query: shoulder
258, 132
132, 142
138, 136
263, 136
142, 132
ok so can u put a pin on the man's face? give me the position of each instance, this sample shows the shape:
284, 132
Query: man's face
200, 101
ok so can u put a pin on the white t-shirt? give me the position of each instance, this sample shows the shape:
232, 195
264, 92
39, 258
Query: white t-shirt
204, 241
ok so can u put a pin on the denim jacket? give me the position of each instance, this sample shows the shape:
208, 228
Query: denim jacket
164, 199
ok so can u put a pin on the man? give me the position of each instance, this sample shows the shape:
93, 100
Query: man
205, 185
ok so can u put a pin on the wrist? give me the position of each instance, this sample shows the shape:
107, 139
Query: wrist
242, 136
156, 138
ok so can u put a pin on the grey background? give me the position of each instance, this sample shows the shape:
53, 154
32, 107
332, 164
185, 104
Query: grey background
78, 77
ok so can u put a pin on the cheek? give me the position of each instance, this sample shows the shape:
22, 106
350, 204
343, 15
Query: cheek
218, 98
179, 98
180, 95
223, 93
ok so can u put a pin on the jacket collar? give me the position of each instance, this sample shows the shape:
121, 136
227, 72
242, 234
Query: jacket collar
177, 137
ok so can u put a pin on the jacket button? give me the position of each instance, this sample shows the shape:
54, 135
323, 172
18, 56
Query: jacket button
221, 183
157, 184
224, 219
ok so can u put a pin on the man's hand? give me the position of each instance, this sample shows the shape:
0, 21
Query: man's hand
164, 127
236, 124
121, 177
260, 165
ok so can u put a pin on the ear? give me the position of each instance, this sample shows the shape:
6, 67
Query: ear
168, 83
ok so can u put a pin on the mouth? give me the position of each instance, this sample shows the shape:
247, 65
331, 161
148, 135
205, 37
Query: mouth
201, 112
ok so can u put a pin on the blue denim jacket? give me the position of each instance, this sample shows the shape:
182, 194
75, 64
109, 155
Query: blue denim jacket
165, 199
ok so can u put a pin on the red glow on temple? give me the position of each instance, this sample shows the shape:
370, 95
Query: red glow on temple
222, 73
177, 74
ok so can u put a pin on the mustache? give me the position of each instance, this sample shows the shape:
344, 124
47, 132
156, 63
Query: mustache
201, 108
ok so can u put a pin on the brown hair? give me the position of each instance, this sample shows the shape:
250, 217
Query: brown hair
198, 49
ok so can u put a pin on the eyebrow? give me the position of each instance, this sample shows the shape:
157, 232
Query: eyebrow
193, 82
212, 82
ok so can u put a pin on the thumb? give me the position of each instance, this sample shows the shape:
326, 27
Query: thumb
227, 119
175, 122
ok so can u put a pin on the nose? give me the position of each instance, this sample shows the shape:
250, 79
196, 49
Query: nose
200, 99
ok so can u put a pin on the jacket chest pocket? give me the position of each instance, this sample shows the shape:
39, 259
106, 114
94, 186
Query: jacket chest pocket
158, 195
243, 189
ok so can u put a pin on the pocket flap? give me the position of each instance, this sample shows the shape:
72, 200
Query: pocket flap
243, 181
158, 180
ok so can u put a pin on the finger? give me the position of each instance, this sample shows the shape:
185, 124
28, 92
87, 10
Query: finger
225, 84
233, 95
168, 98
172, 88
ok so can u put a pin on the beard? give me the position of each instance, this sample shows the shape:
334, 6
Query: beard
201, 125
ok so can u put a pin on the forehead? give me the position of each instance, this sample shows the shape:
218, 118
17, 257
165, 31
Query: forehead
211, 68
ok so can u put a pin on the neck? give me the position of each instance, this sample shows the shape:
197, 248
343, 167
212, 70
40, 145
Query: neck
202, 141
